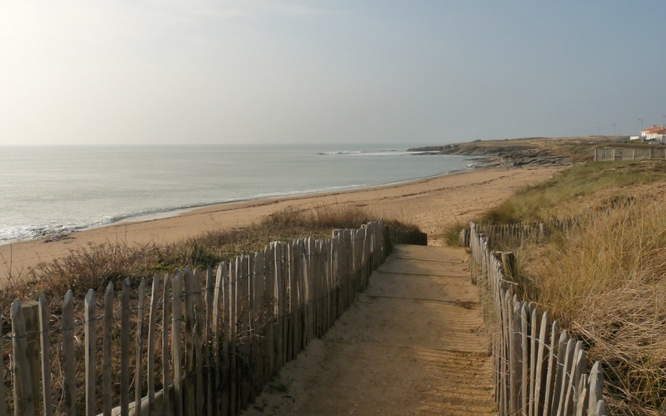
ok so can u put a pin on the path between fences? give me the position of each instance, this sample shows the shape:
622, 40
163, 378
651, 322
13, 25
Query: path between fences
413, 344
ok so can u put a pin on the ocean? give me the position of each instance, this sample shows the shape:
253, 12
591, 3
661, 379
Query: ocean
52, 189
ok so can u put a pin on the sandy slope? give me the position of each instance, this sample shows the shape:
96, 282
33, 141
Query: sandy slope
431, 203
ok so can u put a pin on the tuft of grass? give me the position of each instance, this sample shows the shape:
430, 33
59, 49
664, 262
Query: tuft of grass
452, 234
321, 216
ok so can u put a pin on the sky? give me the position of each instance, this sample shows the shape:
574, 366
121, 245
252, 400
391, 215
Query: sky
256, 71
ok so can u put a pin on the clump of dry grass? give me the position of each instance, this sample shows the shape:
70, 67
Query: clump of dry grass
322, 216
452, 234
606, 281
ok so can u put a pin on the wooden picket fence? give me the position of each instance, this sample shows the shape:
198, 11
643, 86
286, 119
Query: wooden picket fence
203, 342
539, 371
609, 154
516, 234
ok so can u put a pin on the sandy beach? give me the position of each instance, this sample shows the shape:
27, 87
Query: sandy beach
432, 203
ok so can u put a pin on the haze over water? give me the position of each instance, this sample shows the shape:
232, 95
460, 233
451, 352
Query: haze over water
53, 189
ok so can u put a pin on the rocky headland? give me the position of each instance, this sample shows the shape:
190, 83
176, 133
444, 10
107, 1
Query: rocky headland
535, 151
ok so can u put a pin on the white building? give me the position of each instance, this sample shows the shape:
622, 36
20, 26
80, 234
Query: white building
654, 133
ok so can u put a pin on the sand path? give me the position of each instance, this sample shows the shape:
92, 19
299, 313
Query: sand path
412, 344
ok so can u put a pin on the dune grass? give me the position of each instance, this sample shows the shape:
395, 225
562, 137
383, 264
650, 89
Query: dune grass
574, 192
604, 279
569, 191
452, 234
94, 266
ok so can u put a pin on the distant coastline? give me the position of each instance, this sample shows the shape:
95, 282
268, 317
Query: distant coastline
473, 156
171, 213
230, 175
502, 153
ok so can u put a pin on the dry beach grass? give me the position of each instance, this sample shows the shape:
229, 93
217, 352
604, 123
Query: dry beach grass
605, 278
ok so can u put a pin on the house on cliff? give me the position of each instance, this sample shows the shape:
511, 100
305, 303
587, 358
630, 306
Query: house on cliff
654, 133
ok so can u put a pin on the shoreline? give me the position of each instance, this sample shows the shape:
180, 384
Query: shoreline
175, 212
290, 195
432, 203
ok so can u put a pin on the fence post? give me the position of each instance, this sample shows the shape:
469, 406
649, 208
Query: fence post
515, 357
189, 405
541, 233
31, 317
150, 365
176, 346
46, 360
208, 342
68, 353
258, 323
525, 360
509, 263
3, 405
218, 357
124, 348
166, 322
90, 342
139, 347
23, 398
106, 349
281, 302
596, 381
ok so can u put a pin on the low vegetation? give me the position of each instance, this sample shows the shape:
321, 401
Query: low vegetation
606, 281
593, 186
94, 266
605, 278
452, 233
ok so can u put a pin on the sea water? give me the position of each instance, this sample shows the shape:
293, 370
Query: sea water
46, 190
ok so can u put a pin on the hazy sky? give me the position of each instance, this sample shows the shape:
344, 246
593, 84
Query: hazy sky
254, 71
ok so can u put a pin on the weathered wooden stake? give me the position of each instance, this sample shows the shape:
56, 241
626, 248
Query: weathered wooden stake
31, 317
106, 349
68, 352
23, 397
90, 353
